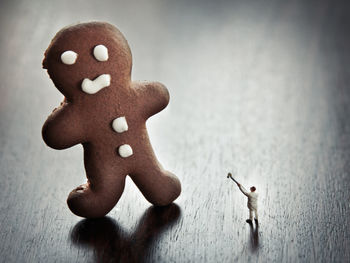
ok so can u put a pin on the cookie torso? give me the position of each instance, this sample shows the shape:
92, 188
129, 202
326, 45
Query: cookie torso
110, 125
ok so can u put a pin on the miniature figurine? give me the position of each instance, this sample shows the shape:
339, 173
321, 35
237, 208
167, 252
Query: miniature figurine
252, 200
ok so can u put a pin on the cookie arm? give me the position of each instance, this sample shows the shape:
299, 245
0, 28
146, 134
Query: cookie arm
153, 97
62, 128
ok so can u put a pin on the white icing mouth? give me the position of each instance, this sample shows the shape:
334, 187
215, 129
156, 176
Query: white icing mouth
94, 86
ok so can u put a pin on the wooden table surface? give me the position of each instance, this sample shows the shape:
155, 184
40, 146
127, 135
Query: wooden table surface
258, 88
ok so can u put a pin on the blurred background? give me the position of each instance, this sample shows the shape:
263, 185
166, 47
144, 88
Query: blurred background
258, 88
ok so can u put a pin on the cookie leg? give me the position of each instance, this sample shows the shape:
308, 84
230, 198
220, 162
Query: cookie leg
159, 187
93, 202
102, 191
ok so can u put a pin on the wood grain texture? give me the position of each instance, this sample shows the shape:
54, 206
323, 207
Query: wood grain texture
260, 89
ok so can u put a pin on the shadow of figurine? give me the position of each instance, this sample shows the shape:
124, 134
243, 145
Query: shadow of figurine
111, 243
254, 237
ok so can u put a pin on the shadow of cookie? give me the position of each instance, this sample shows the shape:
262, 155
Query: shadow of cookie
111, 243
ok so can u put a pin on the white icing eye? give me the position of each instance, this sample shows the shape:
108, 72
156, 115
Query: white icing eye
125, 150
101, 53
69, 57
120, 125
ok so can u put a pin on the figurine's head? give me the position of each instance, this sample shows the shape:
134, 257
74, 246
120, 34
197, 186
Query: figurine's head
87, 51
252, 189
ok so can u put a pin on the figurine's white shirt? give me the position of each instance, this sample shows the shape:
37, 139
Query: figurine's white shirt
252, 198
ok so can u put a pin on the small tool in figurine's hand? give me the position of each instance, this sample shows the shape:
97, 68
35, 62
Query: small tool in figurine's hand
229, 175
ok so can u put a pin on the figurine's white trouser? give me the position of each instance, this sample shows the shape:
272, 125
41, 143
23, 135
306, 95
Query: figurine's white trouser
251, 214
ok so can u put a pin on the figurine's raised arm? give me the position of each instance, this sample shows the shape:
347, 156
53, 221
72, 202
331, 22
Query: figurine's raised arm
152, 96
62, 128
243, 190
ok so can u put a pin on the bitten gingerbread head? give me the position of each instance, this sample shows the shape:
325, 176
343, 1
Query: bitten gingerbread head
85, 52
90, 64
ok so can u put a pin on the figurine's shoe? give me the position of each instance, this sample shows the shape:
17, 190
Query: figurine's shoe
249, 221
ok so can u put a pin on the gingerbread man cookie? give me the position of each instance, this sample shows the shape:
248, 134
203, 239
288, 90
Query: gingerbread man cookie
90, 64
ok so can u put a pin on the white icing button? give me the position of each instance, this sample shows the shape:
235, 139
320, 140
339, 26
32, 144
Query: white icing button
101, 53
69, 57
125, 150
93, 86
120, 125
